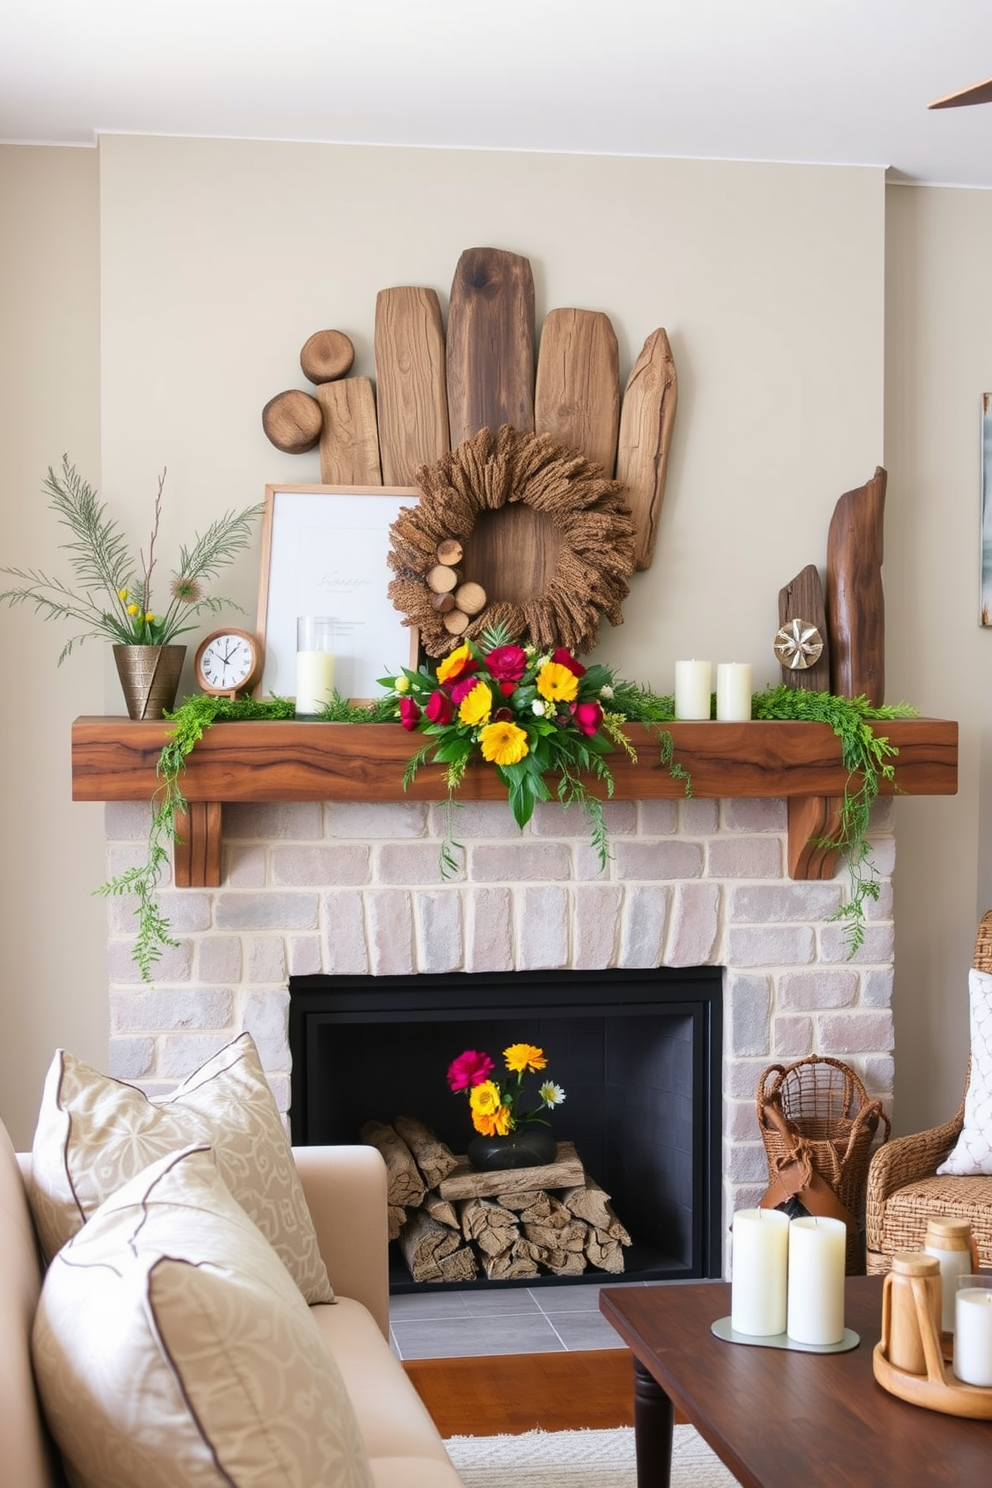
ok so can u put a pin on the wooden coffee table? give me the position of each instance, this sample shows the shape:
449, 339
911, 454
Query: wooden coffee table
777, 1418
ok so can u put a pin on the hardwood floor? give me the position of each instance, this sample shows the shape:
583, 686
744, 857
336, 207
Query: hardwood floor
512, 1393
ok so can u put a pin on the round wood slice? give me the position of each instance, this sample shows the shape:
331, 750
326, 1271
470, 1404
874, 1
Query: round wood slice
441, 579
456, 622
326, 356
470, 597
293, 421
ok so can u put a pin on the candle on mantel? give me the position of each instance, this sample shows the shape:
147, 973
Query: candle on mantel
314, 663
758, 1278
693, 689
817, 1259
733, 691
973, 1330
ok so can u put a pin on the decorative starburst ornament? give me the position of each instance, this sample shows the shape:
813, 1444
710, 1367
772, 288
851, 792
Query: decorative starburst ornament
798, 645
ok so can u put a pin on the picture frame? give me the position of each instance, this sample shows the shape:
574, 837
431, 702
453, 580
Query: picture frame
324, 551
985, 533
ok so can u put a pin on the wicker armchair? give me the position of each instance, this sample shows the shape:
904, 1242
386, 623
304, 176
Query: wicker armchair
904, 1190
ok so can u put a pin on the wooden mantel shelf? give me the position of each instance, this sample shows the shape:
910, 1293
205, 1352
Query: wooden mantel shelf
114, 759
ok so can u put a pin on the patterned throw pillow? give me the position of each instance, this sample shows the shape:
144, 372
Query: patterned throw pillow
170, 1346
972, 1153
94, 1133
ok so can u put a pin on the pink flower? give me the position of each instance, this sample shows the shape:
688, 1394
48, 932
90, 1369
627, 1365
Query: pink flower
565, 658
461, 689
507, 663
470, 1068
439, 709
587, 717
409, 713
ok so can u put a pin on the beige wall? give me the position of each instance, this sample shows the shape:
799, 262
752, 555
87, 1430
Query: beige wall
52, 933
218, 259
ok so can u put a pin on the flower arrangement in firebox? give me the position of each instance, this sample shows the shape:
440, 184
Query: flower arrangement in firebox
495, 1105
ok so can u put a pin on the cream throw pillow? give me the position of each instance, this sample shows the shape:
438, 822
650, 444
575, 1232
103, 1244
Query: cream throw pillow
94, 1133
171, 1347
972, 1153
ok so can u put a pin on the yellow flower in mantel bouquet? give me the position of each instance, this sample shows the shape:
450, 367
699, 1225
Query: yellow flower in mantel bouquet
115, 591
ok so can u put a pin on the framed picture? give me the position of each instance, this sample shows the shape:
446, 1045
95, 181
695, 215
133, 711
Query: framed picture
324, 553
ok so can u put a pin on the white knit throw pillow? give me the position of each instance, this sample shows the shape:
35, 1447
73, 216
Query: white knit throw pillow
972, 1153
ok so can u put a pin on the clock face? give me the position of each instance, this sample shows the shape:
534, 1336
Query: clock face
227, 661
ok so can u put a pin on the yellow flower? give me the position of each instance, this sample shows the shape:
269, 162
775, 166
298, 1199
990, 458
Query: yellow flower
401, 685
503, 743
476, 706
556, 683
485, 1097
489, 1115
521, 1057
454, 664
134, 609
122, 594
496, 1125
149, 616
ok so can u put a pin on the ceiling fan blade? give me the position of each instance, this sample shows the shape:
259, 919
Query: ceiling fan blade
977, 93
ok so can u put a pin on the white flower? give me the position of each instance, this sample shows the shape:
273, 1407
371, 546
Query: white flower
606, 691
539, 706
551, 1094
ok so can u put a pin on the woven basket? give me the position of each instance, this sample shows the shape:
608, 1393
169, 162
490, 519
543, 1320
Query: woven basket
831, 1126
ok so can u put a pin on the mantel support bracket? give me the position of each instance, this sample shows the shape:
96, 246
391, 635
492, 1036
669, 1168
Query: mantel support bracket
196, 852
814, 824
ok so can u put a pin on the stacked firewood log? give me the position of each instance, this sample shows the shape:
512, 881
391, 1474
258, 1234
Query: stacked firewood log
451, 1222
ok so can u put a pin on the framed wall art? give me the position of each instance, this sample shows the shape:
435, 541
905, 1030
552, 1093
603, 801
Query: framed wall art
324, 553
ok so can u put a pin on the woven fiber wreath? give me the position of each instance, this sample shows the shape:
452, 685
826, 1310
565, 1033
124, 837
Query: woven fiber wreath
594, 527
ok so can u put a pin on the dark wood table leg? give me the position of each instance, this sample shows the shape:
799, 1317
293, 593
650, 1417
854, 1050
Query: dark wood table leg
654, 1416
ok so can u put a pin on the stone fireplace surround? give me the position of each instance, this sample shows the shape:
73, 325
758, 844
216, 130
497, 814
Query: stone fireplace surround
341, 887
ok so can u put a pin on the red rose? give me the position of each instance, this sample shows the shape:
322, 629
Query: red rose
409, 713
506, 688
507, 663
587, 717
439, 709
567, 660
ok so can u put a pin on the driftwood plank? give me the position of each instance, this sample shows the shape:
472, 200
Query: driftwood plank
465, 1183
349, 439
577, 391
490, 343
802, 599
411, 388
647, 418
855, 602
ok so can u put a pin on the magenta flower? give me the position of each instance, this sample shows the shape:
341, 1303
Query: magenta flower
461, 690
409, 714
565, 658
439, 709
507, 663
587, 717
470, 1068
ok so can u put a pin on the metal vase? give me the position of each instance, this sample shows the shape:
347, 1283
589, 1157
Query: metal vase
149, 678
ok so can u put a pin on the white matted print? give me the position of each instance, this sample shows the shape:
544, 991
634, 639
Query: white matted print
324, 553
985, 593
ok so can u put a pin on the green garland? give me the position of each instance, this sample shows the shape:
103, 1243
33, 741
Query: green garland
867, 757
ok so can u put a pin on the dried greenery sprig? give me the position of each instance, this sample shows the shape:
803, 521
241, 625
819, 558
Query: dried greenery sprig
115, 601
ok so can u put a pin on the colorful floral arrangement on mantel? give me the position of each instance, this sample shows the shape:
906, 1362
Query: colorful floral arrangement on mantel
543, 721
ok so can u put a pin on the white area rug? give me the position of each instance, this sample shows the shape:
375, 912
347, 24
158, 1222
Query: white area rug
582, 1459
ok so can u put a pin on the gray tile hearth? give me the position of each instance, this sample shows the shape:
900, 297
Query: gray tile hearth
524, 1320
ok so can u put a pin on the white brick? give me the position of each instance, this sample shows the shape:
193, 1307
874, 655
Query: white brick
186, 910
303, 955
693, 925
883, 855
266, 1018
740, 1121
473, 819
788, 945
247, 865
745, 1162
520, 862
744, 815
642, 929
748, 1014
664, 859
284, 820
385, 820
699, 818
876, 987
439, 931
174, 965
808, 991
744, 857
218, 958
181, 1054
413, 863
552, 819
595, 925
542, 928
320, 867
390, 925
856, 1033
778, 903
345, 950
131, 1058
159, 1010
792, 1037
587, 865
266, 911
489, 941
266, 956
879, 1076
658, 818
127, 821
741, 1076
878, 946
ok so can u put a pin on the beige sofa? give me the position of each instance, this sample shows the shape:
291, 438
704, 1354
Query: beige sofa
346, 1193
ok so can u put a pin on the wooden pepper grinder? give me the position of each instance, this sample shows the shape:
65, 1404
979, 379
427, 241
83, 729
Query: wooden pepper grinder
913, 1274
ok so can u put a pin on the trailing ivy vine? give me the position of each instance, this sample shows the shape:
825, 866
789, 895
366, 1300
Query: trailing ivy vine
867, 757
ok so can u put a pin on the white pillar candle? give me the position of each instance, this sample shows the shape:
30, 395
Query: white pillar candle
817, 1258
693, 689
314, 663
758, 1279
973, 1331
733, 691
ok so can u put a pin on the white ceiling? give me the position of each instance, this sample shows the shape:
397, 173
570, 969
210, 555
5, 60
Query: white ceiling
838, 81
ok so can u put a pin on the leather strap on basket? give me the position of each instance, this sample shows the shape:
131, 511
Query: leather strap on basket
795, 1176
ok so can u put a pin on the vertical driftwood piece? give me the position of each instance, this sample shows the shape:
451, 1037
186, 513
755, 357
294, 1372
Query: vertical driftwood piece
802, 599
647, 418
855, 604
490, 344
577, 393
349, 440
410, 382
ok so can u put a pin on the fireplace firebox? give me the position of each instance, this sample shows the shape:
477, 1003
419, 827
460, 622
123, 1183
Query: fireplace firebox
636, 1051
